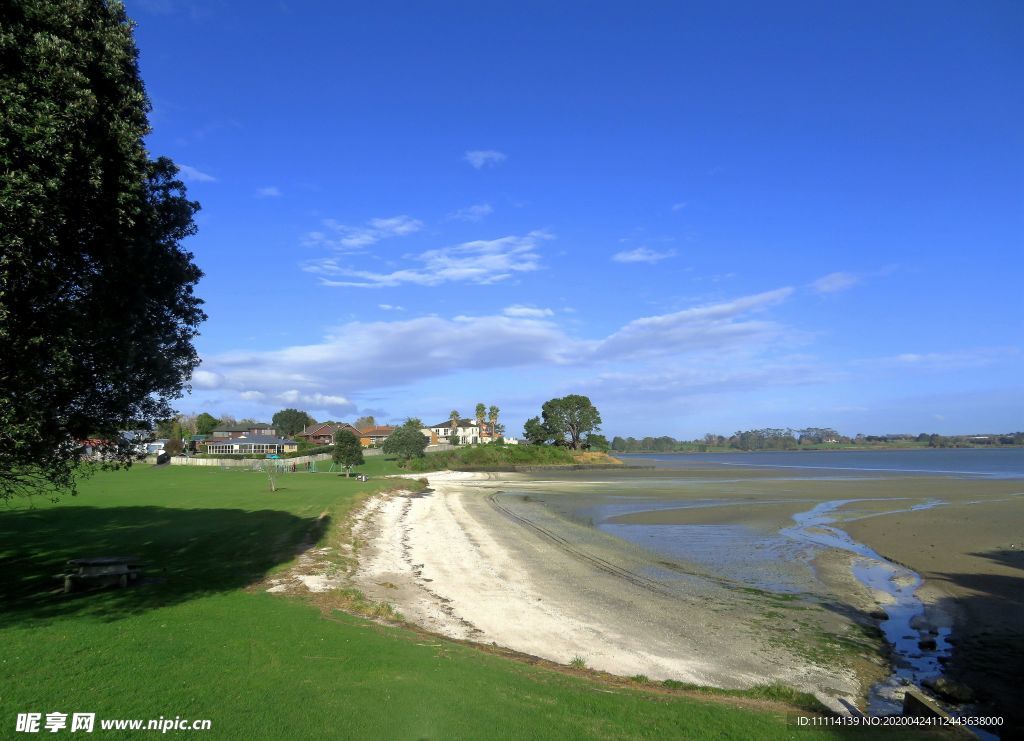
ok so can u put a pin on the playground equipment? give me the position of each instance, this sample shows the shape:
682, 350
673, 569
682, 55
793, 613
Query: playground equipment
281, 466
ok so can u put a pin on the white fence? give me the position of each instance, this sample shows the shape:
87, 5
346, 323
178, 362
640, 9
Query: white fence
181, 460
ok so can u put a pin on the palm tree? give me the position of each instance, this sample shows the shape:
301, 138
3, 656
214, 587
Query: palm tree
453, 421
492, 418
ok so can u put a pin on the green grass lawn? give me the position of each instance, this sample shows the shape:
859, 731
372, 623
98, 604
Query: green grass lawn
194, 642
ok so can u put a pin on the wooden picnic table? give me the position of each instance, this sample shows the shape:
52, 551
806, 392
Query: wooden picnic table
101, 569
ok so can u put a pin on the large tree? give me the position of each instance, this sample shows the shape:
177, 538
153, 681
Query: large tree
568, 419
288, 422
97, 310
406, 442
347, 450
206, 423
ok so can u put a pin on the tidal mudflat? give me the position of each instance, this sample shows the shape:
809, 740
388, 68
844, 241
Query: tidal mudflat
842, 584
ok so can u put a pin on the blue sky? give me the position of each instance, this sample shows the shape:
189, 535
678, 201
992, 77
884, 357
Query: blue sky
705, 216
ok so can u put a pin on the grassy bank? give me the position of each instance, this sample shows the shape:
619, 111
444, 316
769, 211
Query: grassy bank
196, 640
482, 457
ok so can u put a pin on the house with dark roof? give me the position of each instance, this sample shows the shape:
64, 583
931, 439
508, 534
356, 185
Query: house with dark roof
323, 433
374, 437
256, 428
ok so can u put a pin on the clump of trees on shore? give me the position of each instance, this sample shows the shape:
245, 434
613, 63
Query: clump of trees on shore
571, 421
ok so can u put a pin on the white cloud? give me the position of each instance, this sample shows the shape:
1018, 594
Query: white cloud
472, 213
342, 237
680, 205
390, 307
359, 357
365, 355
194, 175
204, 379
660, 385
702, 328
945, 361
271, 191
325, 401
529, 312
480, 261
252, 395
835, 282
479, 158
642, 254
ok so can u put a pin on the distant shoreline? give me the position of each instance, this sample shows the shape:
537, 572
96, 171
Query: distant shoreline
840, 449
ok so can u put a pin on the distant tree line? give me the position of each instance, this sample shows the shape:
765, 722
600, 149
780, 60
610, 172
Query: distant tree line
771, 438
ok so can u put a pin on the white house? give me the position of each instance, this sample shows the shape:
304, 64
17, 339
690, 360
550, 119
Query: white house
468, 431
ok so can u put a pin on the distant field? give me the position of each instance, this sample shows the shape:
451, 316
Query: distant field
195, 642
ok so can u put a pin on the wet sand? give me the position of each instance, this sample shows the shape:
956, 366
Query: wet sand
969, 551
971, 556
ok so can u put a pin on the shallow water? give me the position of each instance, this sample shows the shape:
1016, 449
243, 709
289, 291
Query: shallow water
782, 562
738, 553
911, 663
990, 463
779, 560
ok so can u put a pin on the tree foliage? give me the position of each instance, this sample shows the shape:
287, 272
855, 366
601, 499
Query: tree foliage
406, 442
535, 432
173, 445
289, 421
189, 425
163, 428
568, 419
347, 450
97, 310
453, 424
206, 423
365, 422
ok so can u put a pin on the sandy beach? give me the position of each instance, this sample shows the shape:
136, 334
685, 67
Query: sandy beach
455, 563
471, 560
